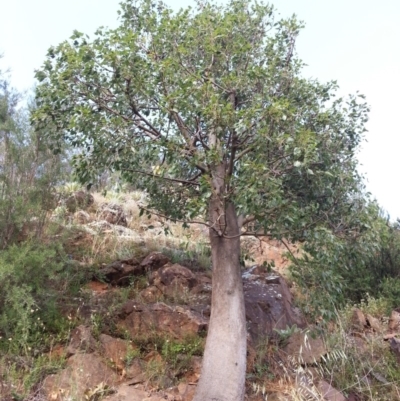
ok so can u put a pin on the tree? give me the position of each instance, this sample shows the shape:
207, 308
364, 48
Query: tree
206, 109
28, 170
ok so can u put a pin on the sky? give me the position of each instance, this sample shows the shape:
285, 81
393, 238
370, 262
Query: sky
355, 42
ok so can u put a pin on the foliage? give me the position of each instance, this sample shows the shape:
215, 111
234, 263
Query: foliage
338, 270
28, 171
30, 279
23, 374
167, 97
366, 368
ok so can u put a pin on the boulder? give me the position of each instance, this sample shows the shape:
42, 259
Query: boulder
358, 319
374, 323
84, 372
194, 369
79, 200
173, 279
144, 320
186, 391
135, 371
126, 392
154, 261
120, 272
394, 321
268, 303
305, 349
114, 350
113, 214
329, 393
81, 341
81, 217
151, 294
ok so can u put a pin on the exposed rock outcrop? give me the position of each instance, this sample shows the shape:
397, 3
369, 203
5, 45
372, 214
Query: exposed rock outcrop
268, 303
79, 200
145, 320
83, 372
113, 214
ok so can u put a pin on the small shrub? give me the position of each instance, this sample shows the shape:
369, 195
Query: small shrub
30, 275
390, 291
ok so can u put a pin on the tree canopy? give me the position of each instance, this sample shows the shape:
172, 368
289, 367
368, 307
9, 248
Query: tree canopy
168, 95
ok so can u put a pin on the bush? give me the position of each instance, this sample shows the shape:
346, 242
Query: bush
29, 280
334, 270
390, 290
29, 171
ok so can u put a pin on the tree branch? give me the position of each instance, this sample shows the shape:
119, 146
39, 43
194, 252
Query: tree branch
180, 181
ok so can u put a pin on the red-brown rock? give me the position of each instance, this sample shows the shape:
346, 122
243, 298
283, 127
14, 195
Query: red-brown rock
329, 393
178, 321
358, 319
173, 279
84, 371
394, 321
114, 349
154, 261
81, 341
121, 272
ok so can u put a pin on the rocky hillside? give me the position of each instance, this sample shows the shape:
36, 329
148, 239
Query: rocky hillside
138, 325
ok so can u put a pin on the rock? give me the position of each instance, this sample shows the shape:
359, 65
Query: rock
395, 347
200, 294
358, 343
186, 391
83, 372
305, 349
113, 214
81, 341
374, 323
354, 397
114, 349
329, 393
154, 261
358, 319
134, 371
79, 200
100, 226
81, 217
394, 321
194, 369
121, 272
268, 304
126, 392
151, 294
268, 251
170, 274
173, 280
178, 321
127, 233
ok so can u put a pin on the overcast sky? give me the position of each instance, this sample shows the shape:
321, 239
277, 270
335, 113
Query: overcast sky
356, 42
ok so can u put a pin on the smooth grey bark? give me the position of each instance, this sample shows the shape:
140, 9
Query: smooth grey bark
224, 362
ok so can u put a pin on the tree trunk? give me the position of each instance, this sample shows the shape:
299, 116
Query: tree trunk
224, 362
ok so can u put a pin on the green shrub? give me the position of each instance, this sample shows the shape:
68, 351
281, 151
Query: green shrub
390, 290
30, 282
337, 269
